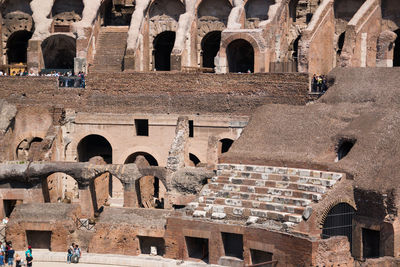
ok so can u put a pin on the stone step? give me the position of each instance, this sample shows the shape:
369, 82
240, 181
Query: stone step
215, 187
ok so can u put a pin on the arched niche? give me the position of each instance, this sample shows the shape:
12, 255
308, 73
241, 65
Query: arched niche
92, 146
240, 55
163, 44
210, 46
150, 160
150, 192
166, 9
59, 52
214, 10
17, 46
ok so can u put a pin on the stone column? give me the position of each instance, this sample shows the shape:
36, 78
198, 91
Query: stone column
85, 201
130, 195
34, 56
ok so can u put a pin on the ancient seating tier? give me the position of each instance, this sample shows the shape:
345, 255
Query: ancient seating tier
259, 193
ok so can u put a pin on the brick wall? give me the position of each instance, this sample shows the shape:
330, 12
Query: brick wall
161, 92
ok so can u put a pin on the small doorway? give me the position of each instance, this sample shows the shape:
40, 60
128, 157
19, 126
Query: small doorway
147, 242
233, 245
371, 241
240, 56
39, 239
17, 46
163, 45
197, 248
258, 256
210, 46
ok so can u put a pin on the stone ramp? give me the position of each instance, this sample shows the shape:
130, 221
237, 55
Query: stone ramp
248, 192
110, 51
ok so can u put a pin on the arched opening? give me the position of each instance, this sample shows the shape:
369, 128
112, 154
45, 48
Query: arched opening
150, 192
295, 55
340, 43
344, 148
17, 6
391, 10
17, 46
92, 146
167, 8
214, 10
339, 222
149, 159
59, 52
60, 187
224, 145
29, 149
163, 45
68, 8
345, 9
293, 9
194, 161
396, 52
257, 11
210, 46
117, 14
240, 56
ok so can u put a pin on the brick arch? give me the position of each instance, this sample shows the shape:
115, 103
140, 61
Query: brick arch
324, 213
153, 152
198, 3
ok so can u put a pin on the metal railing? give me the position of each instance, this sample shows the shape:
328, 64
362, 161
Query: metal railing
85, 224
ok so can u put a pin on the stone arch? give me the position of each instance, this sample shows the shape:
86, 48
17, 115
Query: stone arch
23, 6
240, 55
17, 46
163, 44
60, 187
166, 9
149, 158
210, 46
94, 145
67, 11
150, 192
396, 50
338, 221
15, 22
324, 213
28, 148
211, 10
194, 160
346, 9
391, 11
59, 51
224, 145
256, 11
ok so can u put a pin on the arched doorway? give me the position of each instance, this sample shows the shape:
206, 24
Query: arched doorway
396, 52
224, 145
150, 192
149, 158
92, 146
240, 56
60, 187
163, 45
17, 46
210, 46
59, 52
339, 222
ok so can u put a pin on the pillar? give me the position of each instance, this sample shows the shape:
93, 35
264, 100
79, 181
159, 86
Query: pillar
85, 201
130, 195
34, 56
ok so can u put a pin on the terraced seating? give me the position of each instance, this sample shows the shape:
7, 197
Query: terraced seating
256, 193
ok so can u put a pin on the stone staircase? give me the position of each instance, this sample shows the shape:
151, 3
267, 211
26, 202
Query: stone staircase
110, 50
259, 193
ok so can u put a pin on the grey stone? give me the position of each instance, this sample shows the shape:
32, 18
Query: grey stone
307, 212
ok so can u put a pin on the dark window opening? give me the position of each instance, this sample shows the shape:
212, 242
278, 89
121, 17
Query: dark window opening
309, 17
233, 245
344, 148
371, 241
197, 248
39, 239
341, 43
147, 242
17, 47
295, 55
92, 146
293, 9
345, 9
396, 52
191, 129
142, 127
240, 56
210, 46
74, 6
258, 256
195, 160
117, 15
178, 207
339, 222
149, 159
9, 206
59, 52
225, 145
163, 45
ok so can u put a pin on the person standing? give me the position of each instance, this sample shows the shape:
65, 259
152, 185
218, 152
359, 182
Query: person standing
2, 258
70, 253
10, 256
29, 260
17, 260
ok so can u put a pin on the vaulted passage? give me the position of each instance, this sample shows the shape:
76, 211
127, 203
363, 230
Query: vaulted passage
371, 242
17, 46
240, 56
92, 146
210, 46
71, 6
396, 54
59, 52
339, 222
163, 45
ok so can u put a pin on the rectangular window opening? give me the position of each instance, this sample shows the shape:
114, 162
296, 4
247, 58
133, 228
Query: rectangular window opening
152, 245
9, 206
233, 245
39, 239
197, 248
142, 127
191, 129
371, 241
259, 256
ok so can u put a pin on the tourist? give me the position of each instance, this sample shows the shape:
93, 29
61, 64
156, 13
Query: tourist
314, 83
18, 261
2, 258
28, 251
77, 253
29, 260
10, 256
70, 252
5, 220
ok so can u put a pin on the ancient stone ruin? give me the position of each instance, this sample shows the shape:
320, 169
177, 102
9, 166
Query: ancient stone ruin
196, 133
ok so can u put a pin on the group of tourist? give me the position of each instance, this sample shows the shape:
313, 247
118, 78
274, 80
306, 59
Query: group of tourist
8, 256
319, 83
74, 253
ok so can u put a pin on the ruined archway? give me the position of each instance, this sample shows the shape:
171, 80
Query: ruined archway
29, 149
396, 52
151, 161
257, 11
60, 187
346, 9
163, 45
17, 46
92, 146
194, 160
67, 9
59, 52
210, 46
240, 56
150, 192
339, 222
